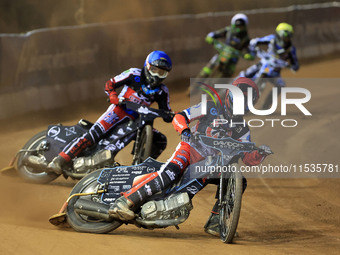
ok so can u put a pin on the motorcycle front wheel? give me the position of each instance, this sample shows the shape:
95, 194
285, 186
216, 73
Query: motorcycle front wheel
84, 223
143, 147
231, 188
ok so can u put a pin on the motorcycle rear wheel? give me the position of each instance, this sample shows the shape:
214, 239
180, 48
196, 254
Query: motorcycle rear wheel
143, 150
83, 223
231, 198
29, 173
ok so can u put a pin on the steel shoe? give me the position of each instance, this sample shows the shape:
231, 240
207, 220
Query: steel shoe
56, 165
121, 210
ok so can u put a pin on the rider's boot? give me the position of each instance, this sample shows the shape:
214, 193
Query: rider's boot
205, 72
131, 200
208, 68
122, 209
212, 226
57, 164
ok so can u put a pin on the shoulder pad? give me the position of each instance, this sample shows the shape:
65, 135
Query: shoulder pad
124, 75
266, 38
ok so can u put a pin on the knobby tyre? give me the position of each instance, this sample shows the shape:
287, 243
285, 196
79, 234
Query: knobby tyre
143, 151
231, 198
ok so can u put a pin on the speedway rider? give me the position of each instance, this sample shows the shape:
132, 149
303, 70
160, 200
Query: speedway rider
280, 45
188, 152
236, 36
143, 86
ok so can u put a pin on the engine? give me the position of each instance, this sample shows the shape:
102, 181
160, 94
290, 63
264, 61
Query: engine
175, 206
101, 158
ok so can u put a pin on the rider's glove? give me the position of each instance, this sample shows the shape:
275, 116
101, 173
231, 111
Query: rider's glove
169, 117
248, 56
114, 99
209, 39
265, 150
185, 135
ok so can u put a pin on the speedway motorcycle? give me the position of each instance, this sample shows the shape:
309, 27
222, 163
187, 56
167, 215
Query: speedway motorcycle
223, 63
271, 66
86, 209
33, 158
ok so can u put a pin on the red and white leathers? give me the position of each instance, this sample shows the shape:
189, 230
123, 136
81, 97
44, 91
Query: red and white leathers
134, 89
205, 125
186, 153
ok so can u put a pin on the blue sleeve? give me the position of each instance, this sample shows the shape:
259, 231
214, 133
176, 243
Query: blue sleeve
164, 99
261, 41
294, 59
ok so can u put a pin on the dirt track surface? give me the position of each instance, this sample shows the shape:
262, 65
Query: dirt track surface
278, 216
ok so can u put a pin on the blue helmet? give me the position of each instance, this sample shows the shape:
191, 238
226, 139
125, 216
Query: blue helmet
156, 67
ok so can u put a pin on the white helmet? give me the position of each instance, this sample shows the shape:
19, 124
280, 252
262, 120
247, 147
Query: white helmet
239, 16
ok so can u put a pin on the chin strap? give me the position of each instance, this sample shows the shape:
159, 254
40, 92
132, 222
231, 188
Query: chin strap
149, 91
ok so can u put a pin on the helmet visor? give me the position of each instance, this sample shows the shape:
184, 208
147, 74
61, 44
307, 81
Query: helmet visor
240, 25
285, 35
156, 71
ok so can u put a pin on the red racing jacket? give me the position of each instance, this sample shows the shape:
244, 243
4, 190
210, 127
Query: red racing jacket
136, 89
205, 125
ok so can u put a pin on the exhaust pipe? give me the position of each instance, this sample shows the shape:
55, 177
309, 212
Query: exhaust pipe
93, 209
35, 162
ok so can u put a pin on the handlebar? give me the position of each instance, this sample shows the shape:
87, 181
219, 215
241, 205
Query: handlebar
222, 47
147, 112
273, 59
229, 144
142, 109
